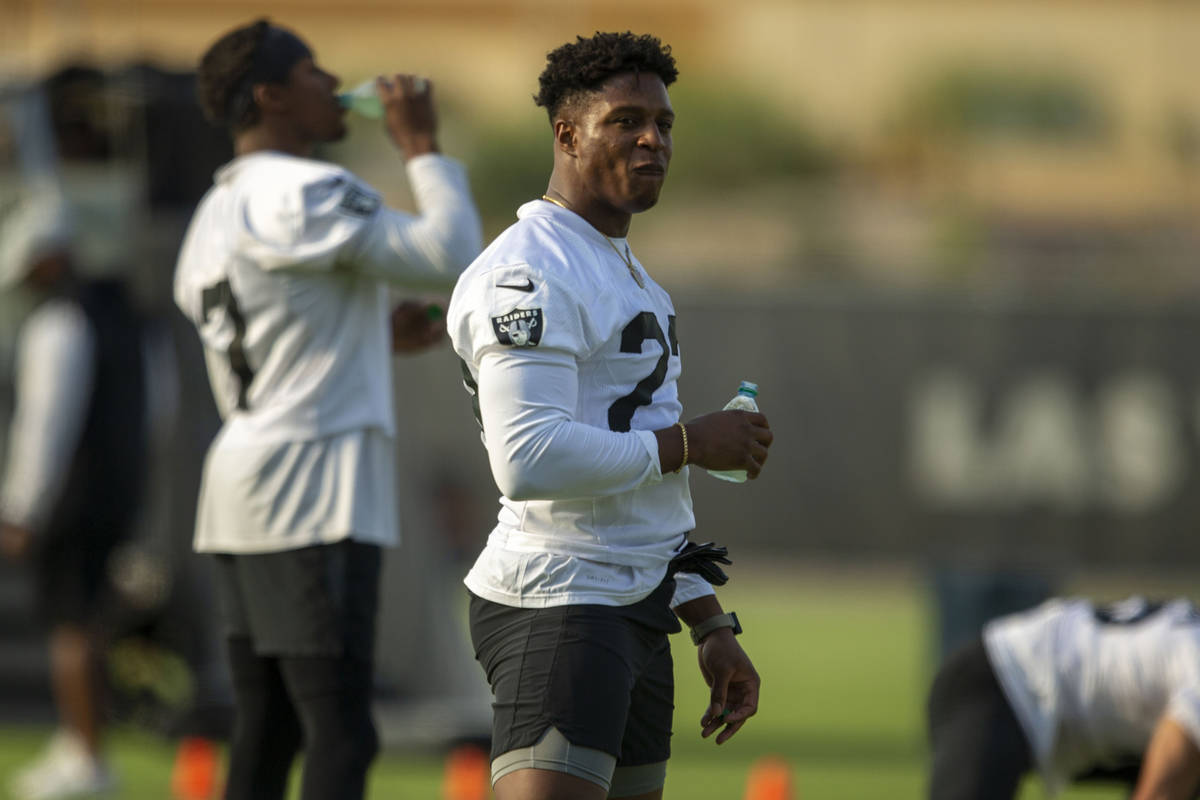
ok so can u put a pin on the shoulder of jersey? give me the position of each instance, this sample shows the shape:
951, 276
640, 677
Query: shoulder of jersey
281, 179
1183, 612
550, 251
510, 271
283, 171
279, 192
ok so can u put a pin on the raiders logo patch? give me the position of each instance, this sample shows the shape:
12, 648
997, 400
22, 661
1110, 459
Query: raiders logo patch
357, 202
521, 327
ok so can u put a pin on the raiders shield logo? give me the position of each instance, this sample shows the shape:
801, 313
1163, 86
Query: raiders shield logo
521, 327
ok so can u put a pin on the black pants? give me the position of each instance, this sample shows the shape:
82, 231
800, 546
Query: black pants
283, 703
301, 634
979, 749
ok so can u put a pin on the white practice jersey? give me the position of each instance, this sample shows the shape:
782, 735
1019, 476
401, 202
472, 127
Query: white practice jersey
573, 364
1089, 684
285, 272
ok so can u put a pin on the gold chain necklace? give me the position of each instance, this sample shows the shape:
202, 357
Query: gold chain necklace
627, 257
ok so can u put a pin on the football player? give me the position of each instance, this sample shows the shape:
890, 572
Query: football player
285, 272
572, 352
76, 473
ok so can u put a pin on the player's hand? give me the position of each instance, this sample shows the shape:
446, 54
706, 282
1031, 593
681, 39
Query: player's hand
734, 683
15, 541
725, 440
408, 113
417, 326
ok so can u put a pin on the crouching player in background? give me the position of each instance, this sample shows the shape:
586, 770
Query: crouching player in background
1077, 692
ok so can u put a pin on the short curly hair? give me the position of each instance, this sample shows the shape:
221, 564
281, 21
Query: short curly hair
580, 67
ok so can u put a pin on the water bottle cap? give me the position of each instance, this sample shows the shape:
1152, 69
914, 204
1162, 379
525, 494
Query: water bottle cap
746, 387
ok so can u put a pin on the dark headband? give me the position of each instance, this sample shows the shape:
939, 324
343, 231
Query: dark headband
274, 58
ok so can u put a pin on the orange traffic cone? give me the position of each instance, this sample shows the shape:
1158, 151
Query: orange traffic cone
770, 779
468, 774
194, 776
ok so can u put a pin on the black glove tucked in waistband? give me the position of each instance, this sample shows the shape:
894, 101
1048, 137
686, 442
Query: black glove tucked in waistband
702, 560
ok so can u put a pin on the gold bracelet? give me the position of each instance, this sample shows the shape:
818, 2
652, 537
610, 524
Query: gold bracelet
683, 432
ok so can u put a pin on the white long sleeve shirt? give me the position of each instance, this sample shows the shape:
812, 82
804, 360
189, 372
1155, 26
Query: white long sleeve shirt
574, 365
55, 368
285, 271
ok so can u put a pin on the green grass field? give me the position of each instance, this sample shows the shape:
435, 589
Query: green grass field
845, 663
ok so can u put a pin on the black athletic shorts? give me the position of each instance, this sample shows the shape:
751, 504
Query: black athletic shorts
980, 751
601, 675
313, 601
72, 577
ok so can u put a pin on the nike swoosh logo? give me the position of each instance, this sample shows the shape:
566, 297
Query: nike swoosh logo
527, 286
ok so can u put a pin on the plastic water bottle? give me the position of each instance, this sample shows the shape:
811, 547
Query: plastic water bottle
363, 99
744, 400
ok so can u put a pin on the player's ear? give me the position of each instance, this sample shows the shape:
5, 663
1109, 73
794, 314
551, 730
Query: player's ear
269, 97
564, 136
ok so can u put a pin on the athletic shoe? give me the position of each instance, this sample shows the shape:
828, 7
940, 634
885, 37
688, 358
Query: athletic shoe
64, 770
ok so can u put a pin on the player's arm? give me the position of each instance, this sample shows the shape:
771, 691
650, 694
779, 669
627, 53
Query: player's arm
527, 399
1171, 765
325, 219
430, 249
446, 235
537, 450
732, 679
528, 396
527, 393
53, 381
721, 440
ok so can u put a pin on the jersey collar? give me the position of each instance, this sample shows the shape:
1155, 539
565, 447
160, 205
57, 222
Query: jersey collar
562, 216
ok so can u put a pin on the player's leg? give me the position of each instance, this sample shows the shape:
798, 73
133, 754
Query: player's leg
337, 587
78, 598
979, 750
71, 763
642, 768
630, 783
537, 660
561, 685
72, 583
75, 679
544, 784
550, 785
333, 699
266, 733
